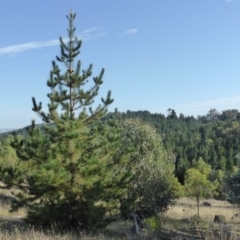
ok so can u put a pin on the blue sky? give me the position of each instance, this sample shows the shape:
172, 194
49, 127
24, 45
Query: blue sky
158, 54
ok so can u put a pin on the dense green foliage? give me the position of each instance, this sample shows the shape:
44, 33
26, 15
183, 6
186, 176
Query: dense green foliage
214, 137
154, 187
233, 189
8, 156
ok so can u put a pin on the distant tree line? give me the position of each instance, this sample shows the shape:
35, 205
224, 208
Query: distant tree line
214, 137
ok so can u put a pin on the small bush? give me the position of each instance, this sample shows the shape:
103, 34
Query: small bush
154, 223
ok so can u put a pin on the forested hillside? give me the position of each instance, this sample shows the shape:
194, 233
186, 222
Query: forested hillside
214, 137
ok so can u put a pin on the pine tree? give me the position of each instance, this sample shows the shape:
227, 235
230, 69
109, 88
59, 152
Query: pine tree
68, 172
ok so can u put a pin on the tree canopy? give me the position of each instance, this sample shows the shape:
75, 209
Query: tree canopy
214, 137
154, 187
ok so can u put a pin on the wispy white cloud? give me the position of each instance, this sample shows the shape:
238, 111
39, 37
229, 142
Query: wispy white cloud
90, 30
93, 33
13, 49
86, 35
91, 37
129, 31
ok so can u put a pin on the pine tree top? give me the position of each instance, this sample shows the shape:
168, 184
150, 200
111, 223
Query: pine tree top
69, 92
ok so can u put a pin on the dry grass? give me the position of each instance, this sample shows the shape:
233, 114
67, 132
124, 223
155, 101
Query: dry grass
12, 226
176, 224
186, 208
6, 197
181, 218
41, 235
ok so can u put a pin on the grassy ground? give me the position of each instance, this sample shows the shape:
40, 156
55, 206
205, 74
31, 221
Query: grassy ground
178, 223
186, 208
182, 218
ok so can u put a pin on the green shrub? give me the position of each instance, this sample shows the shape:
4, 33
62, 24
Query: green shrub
154, 223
